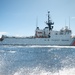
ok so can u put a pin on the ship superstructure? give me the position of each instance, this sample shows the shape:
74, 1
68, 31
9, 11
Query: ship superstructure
45, 33
46, 36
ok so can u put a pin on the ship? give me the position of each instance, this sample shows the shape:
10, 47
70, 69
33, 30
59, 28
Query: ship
46, 36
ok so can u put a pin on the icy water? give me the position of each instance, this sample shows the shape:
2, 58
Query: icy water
37, 60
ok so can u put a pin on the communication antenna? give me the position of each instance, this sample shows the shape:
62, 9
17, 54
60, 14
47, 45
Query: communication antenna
69, 22
65, 22
36, 22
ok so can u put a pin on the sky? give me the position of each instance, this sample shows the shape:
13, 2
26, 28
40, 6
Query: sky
19, 17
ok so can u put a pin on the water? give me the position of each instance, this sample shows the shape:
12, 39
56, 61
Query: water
37, 60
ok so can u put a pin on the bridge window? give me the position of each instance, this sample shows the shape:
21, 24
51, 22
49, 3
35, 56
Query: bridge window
56, 33
61, 33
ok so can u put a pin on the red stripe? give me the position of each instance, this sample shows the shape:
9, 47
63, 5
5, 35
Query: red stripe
73, 44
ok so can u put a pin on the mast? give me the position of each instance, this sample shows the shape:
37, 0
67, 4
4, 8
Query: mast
49, 23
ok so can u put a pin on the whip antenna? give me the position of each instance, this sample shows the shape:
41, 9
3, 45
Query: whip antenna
69, 22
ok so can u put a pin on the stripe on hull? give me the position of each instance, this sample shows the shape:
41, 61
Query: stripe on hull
73, 44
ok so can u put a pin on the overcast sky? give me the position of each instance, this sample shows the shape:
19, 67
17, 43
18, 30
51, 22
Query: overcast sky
18, 17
